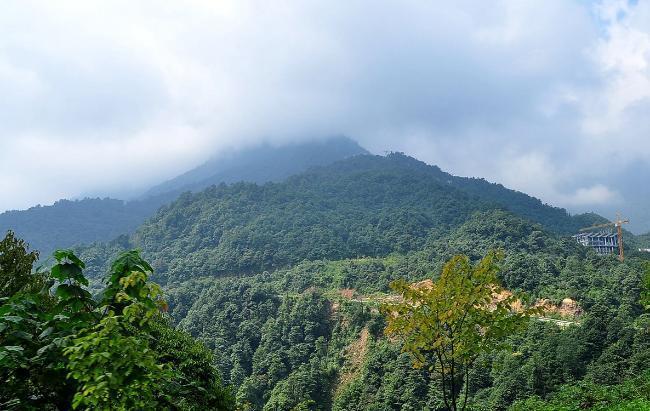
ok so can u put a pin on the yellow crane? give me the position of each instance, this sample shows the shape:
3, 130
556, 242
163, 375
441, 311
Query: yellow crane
619, 227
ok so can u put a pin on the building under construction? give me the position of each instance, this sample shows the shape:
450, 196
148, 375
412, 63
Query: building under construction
603, 242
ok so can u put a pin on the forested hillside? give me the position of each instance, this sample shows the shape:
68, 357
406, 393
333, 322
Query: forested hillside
311, 335
70, 222
362, 206
208, 238
365, 206
283, 283
73, 222
644, 240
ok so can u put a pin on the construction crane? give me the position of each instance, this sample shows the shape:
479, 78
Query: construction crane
619, 227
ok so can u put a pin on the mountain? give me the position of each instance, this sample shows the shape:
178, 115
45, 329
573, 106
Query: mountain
67, 223
70, 222
362, 206
643, 241
283, 281
260, 164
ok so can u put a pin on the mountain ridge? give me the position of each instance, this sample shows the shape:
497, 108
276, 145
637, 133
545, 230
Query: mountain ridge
257, 272
366, 205
71, 222
231, 166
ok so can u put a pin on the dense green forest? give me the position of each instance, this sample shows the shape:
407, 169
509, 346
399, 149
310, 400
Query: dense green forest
362, 206
285, 335
644, 240
75, 222
282, 286
70, 222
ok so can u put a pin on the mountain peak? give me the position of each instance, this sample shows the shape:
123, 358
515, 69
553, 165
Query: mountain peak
262, 163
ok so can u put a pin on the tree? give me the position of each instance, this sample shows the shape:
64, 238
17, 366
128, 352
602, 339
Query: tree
445, 325
645, 293
15, 265
112, 361
61, 349
35, 325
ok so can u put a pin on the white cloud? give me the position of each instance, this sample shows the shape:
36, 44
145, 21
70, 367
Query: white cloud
623, 57
594, 195
108, 97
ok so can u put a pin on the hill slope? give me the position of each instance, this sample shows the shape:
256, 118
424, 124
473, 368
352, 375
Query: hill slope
311, 332
363, 206
282, 282
70, 222
67, 223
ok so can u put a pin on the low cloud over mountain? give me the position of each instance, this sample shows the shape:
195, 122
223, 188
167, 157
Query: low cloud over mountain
551, 98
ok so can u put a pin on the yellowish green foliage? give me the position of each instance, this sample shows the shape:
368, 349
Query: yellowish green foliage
445, 325
115, 370
111, 361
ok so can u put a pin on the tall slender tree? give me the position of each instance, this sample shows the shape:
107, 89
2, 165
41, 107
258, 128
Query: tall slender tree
445, 325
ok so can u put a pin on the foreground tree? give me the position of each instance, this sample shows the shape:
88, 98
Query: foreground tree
445, 325
16, 263
62, 349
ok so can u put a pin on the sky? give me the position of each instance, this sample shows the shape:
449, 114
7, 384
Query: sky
549, 97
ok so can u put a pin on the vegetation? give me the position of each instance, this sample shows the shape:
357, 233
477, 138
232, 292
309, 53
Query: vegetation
278, 289
644, 240
344, 349
261, 164
645, 294
60, 348
69, 223
363, 206
632, 395
446, 325
16, 263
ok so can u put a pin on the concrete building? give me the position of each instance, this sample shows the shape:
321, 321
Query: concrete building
603, 243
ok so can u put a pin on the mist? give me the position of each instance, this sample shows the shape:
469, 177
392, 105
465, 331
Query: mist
550, 98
